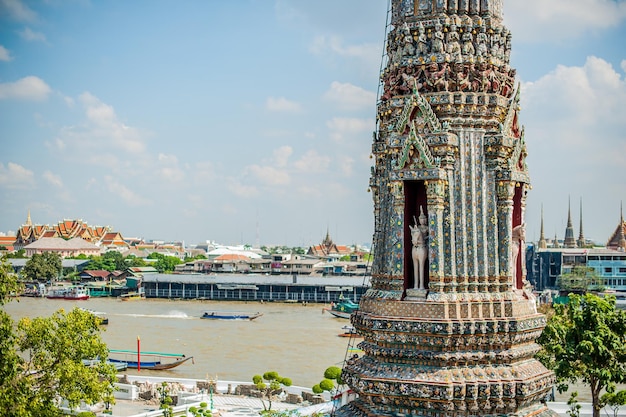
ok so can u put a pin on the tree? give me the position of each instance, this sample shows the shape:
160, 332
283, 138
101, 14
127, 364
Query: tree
201, 411
332, 374
42, 267
110, 261
20, 254
133, 261
42, 359
271, 389
165, 400
164, 263
586, 340
579, 280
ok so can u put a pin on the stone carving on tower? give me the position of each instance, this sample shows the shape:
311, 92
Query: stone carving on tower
459, 338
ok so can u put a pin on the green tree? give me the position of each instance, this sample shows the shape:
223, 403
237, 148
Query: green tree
43, 267
586, 340
614, 400
270, 385
164, 263
194, 258
579, 280
201, 411
42, 359
165, 400
110, 261
332, 374
116, 259
133, 261
20, 254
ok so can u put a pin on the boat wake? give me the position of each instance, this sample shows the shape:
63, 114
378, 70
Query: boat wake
171, 315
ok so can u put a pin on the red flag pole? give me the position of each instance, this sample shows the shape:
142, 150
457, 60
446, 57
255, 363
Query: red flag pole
138, 354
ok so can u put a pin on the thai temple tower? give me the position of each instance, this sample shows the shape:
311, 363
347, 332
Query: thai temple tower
569, 241
449, 323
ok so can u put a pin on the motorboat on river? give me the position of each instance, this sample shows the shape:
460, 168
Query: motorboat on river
230, 315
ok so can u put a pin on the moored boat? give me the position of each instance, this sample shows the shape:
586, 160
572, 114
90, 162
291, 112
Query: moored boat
343, 309
132, 296
72, 292
230, 315
156, 361
349, 331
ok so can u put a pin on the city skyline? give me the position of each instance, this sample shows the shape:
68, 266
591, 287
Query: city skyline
251, 122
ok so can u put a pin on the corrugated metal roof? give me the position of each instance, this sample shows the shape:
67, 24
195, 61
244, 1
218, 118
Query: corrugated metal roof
258, 279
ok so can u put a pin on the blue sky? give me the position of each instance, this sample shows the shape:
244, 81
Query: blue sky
250, 121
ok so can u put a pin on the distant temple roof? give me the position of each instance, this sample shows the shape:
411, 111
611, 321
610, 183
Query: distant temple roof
328, 247
617, 241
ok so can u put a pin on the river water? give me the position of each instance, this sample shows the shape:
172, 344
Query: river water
298, 341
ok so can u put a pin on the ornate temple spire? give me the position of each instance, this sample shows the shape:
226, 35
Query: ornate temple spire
450, 322
621, 245
581, 237
28, 220
569, 241
556, 241
542, 240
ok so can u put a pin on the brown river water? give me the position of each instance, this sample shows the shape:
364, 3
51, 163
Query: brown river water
298, 341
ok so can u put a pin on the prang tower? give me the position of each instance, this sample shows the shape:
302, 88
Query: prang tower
450, 322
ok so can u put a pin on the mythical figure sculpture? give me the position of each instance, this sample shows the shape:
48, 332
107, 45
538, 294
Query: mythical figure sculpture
437, 46
468, 44
422, 41
419, 238
481, 42
454, 45
409, 48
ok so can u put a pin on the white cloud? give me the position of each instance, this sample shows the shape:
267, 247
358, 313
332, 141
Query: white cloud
5, 55
241, 190
104, 129
281, 155
168, 168
341, 127
561, 19
623, 65
312, 162
17, 10
350, 97
574, 98
27, 88
281, 104
203, 172
15, 176
576, 119
123, 192
53, 179
268, 175
347, 166
31, 36
334, 44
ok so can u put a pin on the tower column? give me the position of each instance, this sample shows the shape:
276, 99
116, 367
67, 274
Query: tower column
504, 193
435, 193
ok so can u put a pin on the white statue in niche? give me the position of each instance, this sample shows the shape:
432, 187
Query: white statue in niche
419, 252
517, 247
